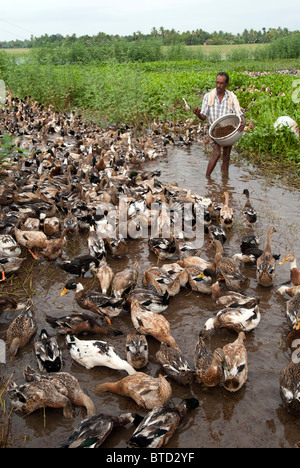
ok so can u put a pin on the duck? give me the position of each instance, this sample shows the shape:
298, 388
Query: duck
136, 350
96, 244
249, 241
293, 338
163, 248
51, 226
195, 260
70, 222
31, 240
105, 275
55, 390
80, 323
249, 212
236, 369
226, 213
250, 250
149, 300
223, 297
94, 430
117, 246
159, 425
148, 323
124, 281
93, 353
293, 308
22, 328
233, 299
266, 264
31, 224
161, 281
9, 247
294, 271
8, 223
237, 319
175, 364
251, 255
230, 270
200, 280
9, 265
105, 306
174, 270
48, 353
208, 366
55, 247
187, 249
9, 303
217, 232
80, 265
291, 291
289, 387
145, 390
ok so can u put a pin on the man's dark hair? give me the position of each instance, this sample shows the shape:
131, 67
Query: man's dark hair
224, 74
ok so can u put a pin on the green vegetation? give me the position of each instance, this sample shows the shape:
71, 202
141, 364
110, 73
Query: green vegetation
138, 82
167, 36
7, 149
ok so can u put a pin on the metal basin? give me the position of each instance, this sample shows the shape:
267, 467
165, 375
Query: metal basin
233, 137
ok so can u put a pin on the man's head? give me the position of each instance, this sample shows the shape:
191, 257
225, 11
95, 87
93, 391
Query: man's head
222, 81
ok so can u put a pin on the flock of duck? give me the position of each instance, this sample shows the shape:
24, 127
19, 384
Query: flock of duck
65, 180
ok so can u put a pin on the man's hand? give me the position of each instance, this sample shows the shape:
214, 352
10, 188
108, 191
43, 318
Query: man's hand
197, 112
243, 123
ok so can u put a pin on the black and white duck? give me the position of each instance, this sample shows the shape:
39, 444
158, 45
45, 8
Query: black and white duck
93, 431
105, 306
48, 353
160, 424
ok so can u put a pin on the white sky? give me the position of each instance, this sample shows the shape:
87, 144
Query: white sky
19, 19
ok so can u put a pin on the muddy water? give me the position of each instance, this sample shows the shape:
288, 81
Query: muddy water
253, 417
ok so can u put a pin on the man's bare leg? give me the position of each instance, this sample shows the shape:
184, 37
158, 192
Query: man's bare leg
226, 159
214, 159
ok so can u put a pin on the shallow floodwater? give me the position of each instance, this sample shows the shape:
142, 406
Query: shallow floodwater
253, 417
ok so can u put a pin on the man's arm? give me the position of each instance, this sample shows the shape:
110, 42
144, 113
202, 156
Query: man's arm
197, 112
202, 112
243, 123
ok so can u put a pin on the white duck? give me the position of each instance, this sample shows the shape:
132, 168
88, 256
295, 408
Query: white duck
94, 353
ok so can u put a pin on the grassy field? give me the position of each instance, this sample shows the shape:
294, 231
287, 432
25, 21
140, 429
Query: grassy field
208, 49
16, 52
226, 48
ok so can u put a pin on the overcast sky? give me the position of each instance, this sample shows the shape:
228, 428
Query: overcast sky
19, 19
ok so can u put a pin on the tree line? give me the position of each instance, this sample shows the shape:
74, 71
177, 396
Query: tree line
167, 37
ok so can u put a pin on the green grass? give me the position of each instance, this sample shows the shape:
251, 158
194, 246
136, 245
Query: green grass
225, 50
17, 52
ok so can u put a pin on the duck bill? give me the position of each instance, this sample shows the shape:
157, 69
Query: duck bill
283, 261
297, 325
64, 291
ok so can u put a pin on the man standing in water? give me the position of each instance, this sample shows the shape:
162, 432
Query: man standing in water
215, 104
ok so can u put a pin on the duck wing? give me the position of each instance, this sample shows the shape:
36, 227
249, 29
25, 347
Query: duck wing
156, 429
